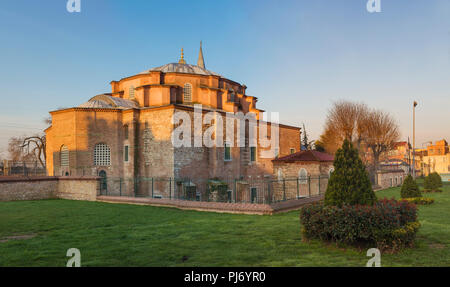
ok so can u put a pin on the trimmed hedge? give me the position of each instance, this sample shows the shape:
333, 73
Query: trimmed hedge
419, 200
433, 182
389, 224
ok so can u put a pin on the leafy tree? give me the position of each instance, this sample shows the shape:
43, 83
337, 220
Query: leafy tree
410, 188
349, 184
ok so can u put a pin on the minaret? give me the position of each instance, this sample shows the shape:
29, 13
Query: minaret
182, 61
201, 61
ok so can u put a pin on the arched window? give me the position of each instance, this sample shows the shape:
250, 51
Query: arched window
64, 153
187, 92
131, 92
280, 174
102, 155
303, 176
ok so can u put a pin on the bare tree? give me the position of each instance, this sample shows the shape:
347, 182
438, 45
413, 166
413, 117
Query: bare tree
345, 120
28, 148
381, 134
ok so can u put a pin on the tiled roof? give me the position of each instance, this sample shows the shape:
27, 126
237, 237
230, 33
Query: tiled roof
109, 102
182, 68
308, 155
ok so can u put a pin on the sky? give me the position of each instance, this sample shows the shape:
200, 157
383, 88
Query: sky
297, 57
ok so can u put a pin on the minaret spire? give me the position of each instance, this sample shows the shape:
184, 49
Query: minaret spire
201, 61
182, 61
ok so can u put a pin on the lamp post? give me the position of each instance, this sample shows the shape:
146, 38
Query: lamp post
414, 139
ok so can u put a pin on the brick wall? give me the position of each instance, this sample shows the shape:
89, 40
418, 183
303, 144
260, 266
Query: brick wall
36, 188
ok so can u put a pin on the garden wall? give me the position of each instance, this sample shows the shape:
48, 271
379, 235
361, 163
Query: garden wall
35, 188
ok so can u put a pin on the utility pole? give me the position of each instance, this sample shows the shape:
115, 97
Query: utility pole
414, 139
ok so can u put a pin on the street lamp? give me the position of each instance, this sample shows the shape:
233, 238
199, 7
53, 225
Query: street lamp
414, 139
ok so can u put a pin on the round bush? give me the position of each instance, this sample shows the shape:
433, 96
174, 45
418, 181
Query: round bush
410, 188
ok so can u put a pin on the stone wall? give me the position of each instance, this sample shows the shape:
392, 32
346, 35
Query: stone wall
36, 188
392, 178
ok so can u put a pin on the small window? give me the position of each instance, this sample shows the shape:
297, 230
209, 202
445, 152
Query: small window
102, 155
125, 153
125, 131
292, 150
252, 153
227, 154
131, 92
64, 155
280, 174
187, 91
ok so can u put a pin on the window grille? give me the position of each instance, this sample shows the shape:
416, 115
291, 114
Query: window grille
187, 91
64, 156
102, 155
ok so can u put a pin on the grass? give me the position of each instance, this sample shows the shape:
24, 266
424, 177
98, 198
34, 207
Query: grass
38, 233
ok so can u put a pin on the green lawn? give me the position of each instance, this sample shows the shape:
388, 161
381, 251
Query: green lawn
131, 235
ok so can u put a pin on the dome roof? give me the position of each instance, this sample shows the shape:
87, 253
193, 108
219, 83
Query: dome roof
108, 102
181, 68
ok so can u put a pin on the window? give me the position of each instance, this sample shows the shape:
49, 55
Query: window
280, 174
102, 155
303, 176
187, 91
131, 92
252, 153
125, 153
64, 156
292, 150
227, 153
125, 131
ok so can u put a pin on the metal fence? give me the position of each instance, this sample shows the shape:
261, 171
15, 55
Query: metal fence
22, 168
242, 190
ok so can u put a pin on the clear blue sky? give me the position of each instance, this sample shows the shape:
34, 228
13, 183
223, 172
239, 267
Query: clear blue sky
296, 56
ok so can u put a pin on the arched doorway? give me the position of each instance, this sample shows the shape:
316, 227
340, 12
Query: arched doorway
103, 182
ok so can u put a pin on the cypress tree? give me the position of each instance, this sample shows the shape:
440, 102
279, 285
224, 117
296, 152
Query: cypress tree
410, 188
349, 184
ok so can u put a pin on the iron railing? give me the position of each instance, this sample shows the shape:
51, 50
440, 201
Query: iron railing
240, 190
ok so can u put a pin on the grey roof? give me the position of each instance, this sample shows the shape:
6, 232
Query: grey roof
109, 102
182, 68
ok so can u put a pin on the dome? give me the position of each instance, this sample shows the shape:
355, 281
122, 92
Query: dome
182, 68
108, 102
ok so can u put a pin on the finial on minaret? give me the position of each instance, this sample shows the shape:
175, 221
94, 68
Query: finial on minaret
201, 61
182, 61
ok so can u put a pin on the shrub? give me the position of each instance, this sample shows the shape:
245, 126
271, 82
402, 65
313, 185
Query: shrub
419, 200
349, 184
388, 223
433, 182
410, 188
